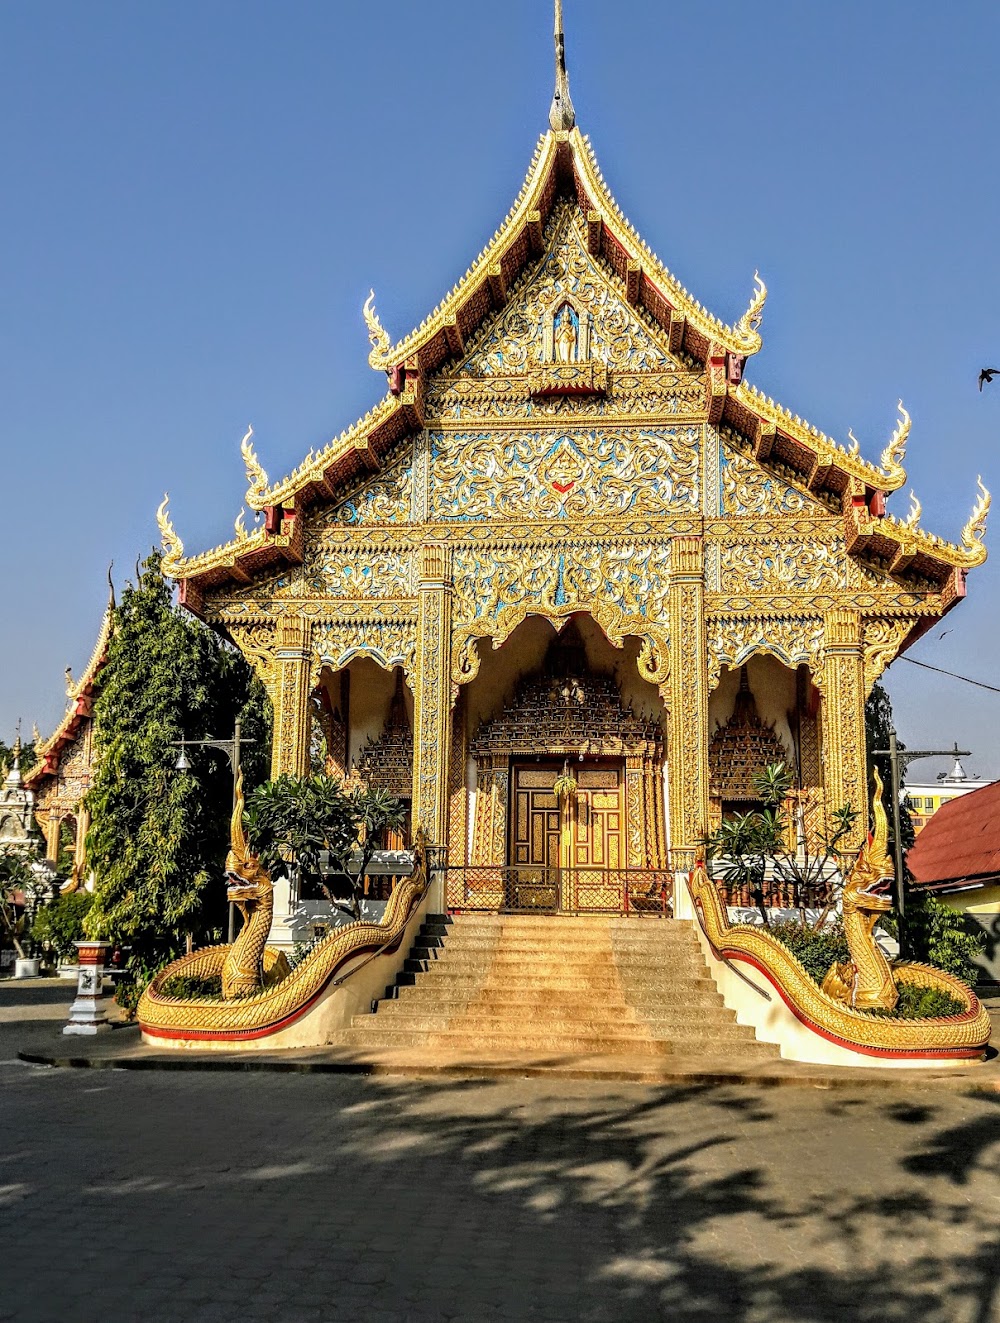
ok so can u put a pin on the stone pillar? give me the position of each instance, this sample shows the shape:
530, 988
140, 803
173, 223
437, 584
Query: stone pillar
687, 750
458, 794
86, 1015
52, 828
845, 778
290, 751
432, 697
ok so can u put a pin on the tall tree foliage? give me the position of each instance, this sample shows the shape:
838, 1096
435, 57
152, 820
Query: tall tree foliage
158, 837
27, 760
878, 724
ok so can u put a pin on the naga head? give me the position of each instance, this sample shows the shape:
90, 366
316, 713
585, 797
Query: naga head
246, 879
866, 886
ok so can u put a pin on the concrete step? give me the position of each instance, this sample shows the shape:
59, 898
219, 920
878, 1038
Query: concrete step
460, 1040
516, 1001
503, 959
478, 1025
543, 942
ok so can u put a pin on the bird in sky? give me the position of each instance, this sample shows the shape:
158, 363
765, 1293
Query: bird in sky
987, 374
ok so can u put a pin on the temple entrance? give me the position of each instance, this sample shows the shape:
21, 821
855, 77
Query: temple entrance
566, 780
578, 830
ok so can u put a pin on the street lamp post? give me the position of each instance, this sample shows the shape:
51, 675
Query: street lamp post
897, 763
231, 748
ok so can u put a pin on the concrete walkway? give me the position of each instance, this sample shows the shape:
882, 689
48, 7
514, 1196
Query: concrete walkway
32, 1014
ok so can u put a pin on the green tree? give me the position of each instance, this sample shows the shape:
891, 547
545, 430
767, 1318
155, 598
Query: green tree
763, 848
28, 757
878, 724
159, 837
292, 820
18, 875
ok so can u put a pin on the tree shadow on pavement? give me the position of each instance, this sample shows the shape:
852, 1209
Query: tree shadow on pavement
246, 1196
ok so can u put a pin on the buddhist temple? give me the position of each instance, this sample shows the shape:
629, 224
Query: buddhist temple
573, 581
61, 777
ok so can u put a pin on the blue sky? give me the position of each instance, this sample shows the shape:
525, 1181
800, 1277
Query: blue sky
197, 198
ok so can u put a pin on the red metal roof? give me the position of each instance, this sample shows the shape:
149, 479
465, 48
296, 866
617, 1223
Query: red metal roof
961, 841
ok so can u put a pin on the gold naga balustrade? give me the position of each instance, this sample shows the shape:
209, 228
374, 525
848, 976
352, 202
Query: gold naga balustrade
841, 1010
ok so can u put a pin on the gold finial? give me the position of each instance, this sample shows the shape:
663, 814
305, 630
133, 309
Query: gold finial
878, 850
377, 334
975, 530
561, 113
916, 510
36, 734
70, 683
855, 447
747, 325
240, 528
256, 477
892, 456
239, 851
173, 547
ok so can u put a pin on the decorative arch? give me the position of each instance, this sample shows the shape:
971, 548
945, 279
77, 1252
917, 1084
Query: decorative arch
653, 661
733, 640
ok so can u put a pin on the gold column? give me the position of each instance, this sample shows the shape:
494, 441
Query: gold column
80, 849
52, 837
458, 794
637, 824
843, 717
432, 697
687, 751
290, 752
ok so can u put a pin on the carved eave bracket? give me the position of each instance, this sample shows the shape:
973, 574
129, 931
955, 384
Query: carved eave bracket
579, 379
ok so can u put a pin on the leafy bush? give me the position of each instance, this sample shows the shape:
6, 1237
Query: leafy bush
184, 986
920, 1003
937, 935
61, 923
815, 949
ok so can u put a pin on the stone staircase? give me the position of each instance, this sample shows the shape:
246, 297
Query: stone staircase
493, 984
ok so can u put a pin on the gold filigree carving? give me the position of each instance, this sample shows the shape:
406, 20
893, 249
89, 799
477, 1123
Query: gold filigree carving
732, 640
548, 474
882, 640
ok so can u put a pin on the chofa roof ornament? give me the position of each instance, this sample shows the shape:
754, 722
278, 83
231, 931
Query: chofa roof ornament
891, 462
747, 326
256, 477
975, 530
377, 334
173, 547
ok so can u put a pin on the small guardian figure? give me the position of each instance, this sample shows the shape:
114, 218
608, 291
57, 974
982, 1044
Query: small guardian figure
565, 337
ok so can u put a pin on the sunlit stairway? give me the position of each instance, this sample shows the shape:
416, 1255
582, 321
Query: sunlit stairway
545, 984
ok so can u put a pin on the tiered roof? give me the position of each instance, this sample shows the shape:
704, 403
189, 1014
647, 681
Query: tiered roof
81, 705
564, 165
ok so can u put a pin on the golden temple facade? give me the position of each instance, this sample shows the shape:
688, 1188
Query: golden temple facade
573, 580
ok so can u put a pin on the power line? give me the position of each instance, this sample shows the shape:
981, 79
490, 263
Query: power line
980, 684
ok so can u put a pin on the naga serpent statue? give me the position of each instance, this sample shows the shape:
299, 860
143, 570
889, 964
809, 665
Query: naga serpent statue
841, 1011
261, 995
866, 980
249, 887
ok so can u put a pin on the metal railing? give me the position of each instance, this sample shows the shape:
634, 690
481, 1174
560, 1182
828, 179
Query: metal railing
536, 890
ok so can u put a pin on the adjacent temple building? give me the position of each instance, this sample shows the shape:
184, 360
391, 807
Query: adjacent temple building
573, 582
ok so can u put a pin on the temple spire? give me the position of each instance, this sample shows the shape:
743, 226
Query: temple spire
562, 114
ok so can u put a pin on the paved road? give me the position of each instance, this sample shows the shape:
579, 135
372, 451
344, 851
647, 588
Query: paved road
210, 1196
